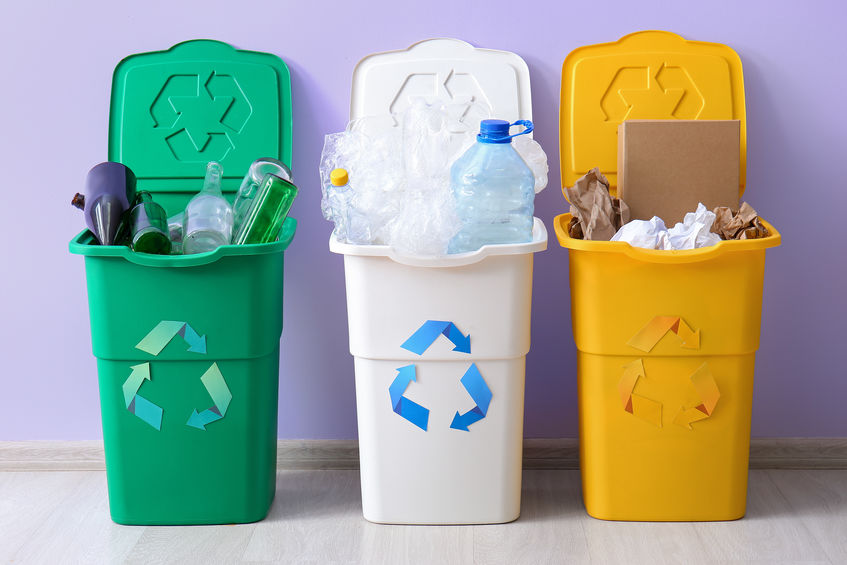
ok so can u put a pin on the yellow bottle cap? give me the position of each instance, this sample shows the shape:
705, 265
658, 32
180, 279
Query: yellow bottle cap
338, 177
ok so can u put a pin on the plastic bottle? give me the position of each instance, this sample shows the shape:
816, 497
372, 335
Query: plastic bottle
208, 216
250, 185
148, 226
338, 196
109, 190
494, 190
267, 212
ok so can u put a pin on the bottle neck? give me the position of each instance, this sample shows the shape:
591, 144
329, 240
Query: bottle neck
78, 201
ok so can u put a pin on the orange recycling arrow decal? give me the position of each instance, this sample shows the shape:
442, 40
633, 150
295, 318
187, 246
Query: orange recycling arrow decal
648, 336
704, 383
707, 391
639, 406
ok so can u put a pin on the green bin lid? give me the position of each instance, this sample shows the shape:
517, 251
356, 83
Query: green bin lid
174, 111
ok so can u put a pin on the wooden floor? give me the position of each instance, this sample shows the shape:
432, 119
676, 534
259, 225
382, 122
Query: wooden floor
63, 517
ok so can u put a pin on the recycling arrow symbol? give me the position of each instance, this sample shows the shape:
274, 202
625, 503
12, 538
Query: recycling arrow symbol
156, 340
461, 91
153, 343
703, 381
138, 405
201, 121
472, 380
657, 91
215, 384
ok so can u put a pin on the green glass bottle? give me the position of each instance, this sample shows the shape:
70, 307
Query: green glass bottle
148, 225
267, 212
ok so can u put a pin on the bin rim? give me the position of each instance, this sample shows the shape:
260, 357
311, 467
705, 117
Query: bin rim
538, 243
561, 221
82, 245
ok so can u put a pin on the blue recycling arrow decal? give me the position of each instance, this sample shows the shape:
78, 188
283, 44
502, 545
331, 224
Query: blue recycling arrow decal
412, 411
481, 395
429, 332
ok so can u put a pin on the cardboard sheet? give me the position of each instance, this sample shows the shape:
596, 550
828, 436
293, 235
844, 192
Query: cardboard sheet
665, 167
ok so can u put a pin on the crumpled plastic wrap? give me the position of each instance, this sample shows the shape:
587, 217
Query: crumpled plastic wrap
399, 176
691, 233
376, 181
598, 215
535, 158
744, 224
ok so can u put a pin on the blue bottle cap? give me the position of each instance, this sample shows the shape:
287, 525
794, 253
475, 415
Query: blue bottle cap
497, 131
494, 131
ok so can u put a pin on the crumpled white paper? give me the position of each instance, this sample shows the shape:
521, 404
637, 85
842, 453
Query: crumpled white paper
649, 234
693, 232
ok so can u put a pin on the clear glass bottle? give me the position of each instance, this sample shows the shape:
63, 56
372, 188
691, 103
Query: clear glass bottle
208, 217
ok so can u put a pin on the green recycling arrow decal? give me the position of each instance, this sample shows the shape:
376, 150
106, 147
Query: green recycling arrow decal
215, 384
139, 405
153, 343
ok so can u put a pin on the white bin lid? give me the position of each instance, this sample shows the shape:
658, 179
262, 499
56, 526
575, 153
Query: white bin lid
449, 70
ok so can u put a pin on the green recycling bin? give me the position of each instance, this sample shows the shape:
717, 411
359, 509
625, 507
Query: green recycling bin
187, 346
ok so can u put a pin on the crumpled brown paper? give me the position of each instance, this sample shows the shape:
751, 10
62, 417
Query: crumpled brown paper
744, 224
596, 215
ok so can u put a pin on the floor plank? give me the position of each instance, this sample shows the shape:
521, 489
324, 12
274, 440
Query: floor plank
549, 530
62, 517
818, 499
769, 533
78, 528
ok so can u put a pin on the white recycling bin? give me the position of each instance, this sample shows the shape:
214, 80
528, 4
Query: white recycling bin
440, 343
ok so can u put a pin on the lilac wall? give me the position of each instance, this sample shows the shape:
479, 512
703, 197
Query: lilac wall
57, 65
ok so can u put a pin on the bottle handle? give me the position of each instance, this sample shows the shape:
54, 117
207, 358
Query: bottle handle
528, 127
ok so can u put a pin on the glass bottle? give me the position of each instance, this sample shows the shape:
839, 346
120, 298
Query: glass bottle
109, 190
208, 216
268, 210
250, 185
148, 225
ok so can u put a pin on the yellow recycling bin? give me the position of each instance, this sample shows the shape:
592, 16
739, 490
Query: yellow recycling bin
666, 340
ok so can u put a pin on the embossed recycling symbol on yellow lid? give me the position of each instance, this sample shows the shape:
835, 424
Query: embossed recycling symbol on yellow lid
645, 75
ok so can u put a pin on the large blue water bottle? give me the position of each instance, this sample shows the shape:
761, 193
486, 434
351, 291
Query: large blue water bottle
494, 190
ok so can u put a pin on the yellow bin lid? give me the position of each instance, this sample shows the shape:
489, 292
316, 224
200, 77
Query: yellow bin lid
645, 75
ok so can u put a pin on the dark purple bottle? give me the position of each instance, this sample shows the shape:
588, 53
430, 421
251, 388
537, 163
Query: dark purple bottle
109, 191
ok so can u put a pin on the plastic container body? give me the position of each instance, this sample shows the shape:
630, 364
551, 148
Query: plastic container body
187, 360
666, 345
444, 474
495, 194
181, 474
